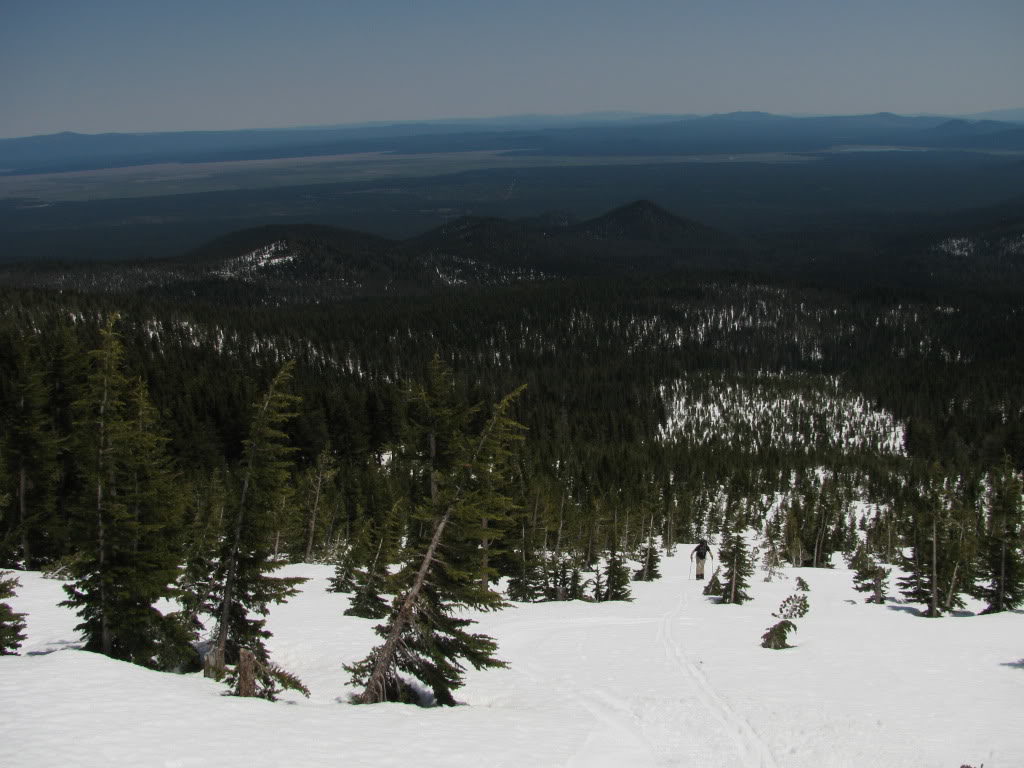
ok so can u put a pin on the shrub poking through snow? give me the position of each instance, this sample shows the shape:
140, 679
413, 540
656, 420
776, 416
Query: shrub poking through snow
802, 585
775, 636
793, 607
714, 586
12, 624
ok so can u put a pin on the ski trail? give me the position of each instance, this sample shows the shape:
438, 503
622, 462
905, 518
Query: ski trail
613, 737
752, 750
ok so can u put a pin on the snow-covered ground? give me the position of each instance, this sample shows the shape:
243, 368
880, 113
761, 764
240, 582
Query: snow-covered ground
668, 679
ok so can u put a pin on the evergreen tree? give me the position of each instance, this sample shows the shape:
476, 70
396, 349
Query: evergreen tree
527, 582
793, 607
425, 636
245, 588
317, 482
1002, 556
868, 576
928, 567
775, 637
616, 577
30, 454
126, 519
350, 555
12, 625
737, 566
650, 558
714, 586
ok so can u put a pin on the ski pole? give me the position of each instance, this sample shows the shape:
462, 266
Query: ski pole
690, 572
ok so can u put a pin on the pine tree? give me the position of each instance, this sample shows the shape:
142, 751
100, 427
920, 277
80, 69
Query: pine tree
616, 577
793, 607
12, 625
126, 518
30, 454
245, 588
737, 566
425, 636
350, 556
927, 567
650, 558
317, 481
1002, 557
775, 637
868, 576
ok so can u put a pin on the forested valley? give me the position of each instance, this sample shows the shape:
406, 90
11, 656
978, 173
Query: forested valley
173, 442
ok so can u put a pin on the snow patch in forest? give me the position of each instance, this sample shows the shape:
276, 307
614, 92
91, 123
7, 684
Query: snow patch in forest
248, 266
789, 413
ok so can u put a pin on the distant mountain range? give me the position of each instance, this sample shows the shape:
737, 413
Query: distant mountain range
604, 134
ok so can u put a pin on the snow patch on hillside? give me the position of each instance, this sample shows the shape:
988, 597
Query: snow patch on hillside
248, 266
777, 411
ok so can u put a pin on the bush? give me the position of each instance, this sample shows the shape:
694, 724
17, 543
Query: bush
775, 636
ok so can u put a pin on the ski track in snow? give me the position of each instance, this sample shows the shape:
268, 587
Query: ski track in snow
670, 679
753, 751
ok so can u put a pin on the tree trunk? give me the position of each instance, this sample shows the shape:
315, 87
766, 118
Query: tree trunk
933, 608
312, 516
1001, 596
484, 556
106, 636
952, 587
26, 539
246, 673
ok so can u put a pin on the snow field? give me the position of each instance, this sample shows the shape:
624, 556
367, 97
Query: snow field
668, 679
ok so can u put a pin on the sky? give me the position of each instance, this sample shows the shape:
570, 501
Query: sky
108, 65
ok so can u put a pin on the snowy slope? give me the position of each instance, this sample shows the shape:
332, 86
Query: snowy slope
668, 679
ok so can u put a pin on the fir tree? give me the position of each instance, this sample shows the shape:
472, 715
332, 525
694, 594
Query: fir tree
793, 607
737, 566
317, 481
714, 586
30, 453
126, 519
616, 577
425, 636
650, 558
245, 587
527, 583
775, 637
1002, 557
12, 625
868, 576
928, 567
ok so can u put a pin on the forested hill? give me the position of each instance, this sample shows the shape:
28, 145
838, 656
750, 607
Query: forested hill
301, 263
679, 382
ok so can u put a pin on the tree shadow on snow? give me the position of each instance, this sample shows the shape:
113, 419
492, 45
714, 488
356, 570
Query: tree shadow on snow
912, 610
60, 645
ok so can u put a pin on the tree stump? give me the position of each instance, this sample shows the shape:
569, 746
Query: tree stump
213, 665
246, 673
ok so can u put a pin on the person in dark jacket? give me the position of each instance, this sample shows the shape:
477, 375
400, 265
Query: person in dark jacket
701, 551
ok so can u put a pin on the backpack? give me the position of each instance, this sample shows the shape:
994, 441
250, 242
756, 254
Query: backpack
702, 550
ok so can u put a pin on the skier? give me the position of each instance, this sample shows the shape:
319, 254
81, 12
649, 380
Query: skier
702, 551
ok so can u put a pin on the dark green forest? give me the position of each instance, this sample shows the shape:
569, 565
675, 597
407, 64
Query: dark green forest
182, 438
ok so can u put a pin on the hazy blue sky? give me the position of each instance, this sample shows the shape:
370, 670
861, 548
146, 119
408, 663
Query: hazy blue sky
178, 64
